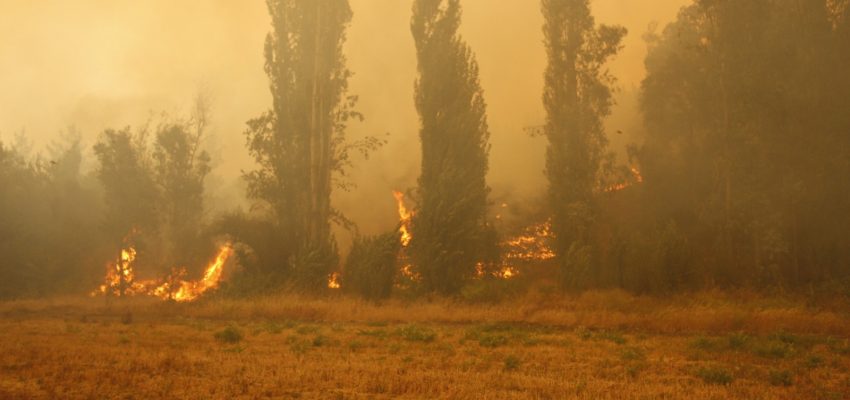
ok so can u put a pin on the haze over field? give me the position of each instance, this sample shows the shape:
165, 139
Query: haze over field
96, 64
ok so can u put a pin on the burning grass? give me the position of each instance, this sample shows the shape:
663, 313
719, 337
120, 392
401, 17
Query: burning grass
596, 345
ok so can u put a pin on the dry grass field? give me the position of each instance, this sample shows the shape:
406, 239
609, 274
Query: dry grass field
600, 345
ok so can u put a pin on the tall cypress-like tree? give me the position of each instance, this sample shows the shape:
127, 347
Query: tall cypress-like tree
450, 232
298, 144
577, 98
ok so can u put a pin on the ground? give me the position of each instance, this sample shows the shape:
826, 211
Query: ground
606, 345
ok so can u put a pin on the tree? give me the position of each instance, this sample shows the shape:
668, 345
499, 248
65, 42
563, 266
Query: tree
577, 97
746, 138
300, 142
130, 191
180, 166
450, 231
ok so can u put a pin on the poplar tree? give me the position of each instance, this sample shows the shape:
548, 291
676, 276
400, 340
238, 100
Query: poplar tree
450, 233
299, 142
577, 97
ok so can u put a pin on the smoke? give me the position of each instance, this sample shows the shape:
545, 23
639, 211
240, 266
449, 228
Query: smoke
110, 63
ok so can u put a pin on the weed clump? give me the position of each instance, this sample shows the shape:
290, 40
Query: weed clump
230, 334
416, 333
773, 349
512, 363
780, 378
715, 376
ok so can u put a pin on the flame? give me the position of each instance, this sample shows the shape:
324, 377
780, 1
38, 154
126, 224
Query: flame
637, 179
121, 280
530, 245
333, 281
405, 216
191, 290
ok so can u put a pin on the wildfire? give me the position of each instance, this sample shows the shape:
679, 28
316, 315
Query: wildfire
405, 216
531, 245
121, 280
333, 281
638, 178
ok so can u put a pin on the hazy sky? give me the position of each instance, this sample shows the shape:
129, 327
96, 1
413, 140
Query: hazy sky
111, 63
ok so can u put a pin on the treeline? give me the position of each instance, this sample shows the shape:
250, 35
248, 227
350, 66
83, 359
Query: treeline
741, 178
746, 157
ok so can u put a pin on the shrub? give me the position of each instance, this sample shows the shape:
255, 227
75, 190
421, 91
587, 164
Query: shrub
492, 340
490, 290
773, 349
320, 340
703, 343
230, 334
632, 354
416, 333
781, 378
371, 266
738, 340
512, 363
715, 376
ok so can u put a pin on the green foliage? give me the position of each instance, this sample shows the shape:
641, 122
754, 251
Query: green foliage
371, 266
231, 334
450, 232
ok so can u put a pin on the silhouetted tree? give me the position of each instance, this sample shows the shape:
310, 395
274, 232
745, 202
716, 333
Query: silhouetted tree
577, 97
180, 166
299, 143
450, 231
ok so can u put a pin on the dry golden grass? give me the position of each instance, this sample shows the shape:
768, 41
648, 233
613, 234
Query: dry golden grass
595, 346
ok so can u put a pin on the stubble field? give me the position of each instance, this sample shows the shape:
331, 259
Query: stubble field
600, 345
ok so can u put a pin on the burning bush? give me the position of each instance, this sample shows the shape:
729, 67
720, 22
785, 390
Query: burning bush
371, 266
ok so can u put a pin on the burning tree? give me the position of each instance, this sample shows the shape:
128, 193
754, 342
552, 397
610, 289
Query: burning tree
154, 189
577, 96
450, 231
130, 192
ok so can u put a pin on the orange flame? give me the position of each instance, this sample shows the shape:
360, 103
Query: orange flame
121, 281
530, 245
333, 281
638, 179
405, 216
